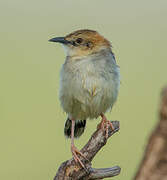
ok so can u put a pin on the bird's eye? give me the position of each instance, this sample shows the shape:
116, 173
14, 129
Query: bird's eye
79, 40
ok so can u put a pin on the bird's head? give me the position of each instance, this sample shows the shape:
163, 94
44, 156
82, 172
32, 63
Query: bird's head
82, 43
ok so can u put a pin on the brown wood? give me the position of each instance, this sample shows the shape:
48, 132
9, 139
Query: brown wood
154, 163
70, 170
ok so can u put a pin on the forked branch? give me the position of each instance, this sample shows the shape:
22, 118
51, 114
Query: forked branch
69, 170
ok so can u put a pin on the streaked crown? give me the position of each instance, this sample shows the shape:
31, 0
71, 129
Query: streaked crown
83, 42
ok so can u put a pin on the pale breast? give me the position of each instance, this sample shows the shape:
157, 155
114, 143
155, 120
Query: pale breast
88, 88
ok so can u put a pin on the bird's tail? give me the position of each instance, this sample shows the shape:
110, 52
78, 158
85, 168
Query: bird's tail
78, 130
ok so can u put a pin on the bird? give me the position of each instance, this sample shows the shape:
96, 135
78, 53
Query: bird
89, 83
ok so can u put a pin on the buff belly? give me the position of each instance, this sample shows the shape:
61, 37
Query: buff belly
86, 93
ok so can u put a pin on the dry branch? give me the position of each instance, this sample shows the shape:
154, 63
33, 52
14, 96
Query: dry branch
70, 170
154, 163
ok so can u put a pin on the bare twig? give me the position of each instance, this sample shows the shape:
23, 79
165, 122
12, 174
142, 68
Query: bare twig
154, 164
69, 170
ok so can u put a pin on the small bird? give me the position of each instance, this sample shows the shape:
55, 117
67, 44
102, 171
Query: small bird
89, 82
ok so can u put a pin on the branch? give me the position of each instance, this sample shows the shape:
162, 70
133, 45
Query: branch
154, 163
70, 170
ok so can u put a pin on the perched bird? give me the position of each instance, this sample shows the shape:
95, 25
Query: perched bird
89, 82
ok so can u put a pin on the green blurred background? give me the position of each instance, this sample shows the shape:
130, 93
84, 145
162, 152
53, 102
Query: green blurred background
32, 144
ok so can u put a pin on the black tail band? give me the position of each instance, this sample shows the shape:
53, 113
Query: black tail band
78, 130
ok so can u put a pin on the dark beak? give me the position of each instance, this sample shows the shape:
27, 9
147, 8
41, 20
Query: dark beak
59, 40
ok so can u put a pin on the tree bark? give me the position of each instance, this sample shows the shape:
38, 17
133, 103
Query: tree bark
70, 170
154, 163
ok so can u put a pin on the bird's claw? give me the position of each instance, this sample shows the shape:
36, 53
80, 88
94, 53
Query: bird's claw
105, 124
75, 151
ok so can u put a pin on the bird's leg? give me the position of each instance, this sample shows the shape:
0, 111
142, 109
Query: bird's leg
74, 150
104, 124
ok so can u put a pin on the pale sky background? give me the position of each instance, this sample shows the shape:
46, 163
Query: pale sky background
32, 144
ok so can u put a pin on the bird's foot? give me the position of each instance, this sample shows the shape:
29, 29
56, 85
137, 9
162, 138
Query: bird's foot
75, 153
105, 124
